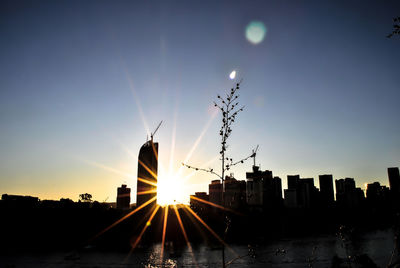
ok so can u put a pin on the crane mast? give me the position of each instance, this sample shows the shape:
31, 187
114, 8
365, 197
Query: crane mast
153, 133
254, 155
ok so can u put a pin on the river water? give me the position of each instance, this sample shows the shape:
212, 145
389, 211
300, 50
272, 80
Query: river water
299, 252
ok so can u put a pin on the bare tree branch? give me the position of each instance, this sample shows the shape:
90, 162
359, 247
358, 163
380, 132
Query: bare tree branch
238, 162
202, 169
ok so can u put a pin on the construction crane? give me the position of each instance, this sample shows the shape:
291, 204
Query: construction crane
254, 155
152, 134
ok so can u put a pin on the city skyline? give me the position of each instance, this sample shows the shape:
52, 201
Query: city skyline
83, 87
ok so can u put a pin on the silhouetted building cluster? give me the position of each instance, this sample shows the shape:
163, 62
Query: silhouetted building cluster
301, 192
263, 192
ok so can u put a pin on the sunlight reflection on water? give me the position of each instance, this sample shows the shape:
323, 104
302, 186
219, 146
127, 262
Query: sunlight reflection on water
281, 253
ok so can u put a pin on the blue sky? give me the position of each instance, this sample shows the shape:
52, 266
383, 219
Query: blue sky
321, 90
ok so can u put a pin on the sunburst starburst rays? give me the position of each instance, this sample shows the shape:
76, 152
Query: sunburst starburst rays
196, 143
210, 230
147, 192
125, 217
154, 175
148, 223
184, 234
138, 105
173, 139
154, 150
163, 234
107, 168
147, 181
214, 205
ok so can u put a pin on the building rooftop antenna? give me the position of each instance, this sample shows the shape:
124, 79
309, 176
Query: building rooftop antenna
153, 133
254, 155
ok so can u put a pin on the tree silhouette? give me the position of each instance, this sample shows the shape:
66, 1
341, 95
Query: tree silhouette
85, 197
229, 108
396, 28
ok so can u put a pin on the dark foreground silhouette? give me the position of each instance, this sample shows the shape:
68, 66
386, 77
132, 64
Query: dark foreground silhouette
53, 225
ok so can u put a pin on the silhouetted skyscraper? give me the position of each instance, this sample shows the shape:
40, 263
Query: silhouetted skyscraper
291, 193
123, 197
290, 198
394, 180
293, 181
254, 189
306, 193
263, 190
272, 192
147, 173
326, 190
377, 195
347, 195
277, 185
234, 193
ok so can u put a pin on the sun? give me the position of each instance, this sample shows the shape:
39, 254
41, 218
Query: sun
170, 190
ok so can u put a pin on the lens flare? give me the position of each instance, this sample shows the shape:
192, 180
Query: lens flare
255, 32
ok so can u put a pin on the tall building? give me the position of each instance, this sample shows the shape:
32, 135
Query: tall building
273, 192
347, 195
263, 190
293, 181
215, 192
377, 193
234, 193
326, 190
254, 189
306, 193
301, 193
123, 197
277, 184
197, 205
291, 195
147, 174
290, 198
394, 180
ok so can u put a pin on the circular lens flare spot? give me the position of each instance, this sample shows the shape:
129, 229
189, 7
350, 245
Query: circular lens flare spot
255, 32
232, 75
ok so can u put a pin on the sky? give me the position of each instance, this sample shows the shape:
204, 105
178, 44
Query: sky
82, 83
